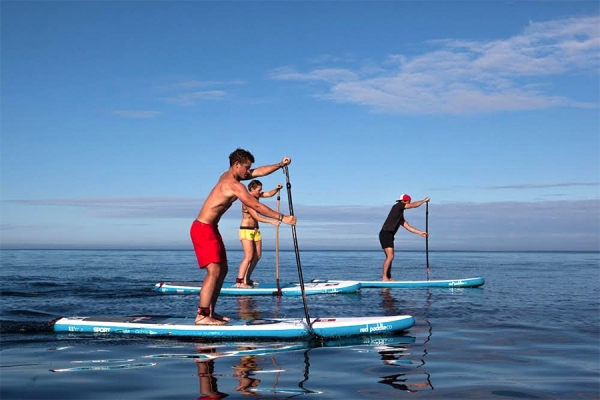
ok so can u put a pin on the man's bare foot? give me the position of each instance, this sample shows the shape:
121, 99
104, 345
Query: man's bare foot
243, 286
387, 279
206, 320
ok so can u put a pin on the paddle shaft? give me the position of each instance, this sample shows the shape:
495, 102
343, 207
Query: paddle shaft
295, 239
277, 247
427, 236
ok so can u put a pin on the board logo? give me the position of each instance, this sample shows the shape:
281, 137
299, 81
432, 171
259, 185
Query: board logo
377, 328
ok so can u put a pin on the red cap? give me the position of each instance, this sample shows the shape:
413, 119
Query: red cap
404, 197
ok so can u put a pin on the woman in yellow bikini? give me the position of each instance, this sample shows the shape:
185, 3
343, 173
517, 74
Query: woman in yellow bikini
250, 234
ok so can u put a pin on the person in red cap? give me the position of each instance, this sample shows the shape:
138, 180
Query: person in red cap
394, 220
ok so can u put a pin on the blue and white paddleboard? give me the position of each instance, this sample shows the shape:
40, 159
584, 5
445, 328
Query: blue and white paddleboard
316, 286
250, 328
444, 283
263, 289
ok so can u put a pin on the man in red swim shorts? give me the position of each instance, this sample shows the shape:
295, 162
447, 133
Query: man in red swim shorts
208, 244
210, 248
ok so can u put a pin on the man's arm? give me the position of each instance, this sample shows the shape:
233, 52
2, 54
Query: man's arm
273, 192
269, 169
412, 229
260, 218
416, 203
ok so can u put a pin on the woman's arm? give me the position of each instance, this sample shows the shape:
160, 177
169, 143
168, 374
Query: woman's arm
273, 192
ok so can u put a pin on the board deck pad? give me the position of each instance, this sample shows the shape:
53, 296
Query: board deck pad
162, 325
264, 289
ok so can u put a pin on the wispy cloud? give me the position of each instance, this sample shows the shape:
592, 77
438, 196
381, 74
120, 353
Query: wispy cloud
125, 207
462, 77
330, 75
136, 113
195, 83
185, 91
546, 186
188, 99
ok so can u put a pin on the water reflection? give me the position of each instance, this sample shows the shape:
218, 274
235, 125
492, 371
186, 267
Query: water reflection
274, 369
246, 307
396, 357
398, 381
245, 370
208, 381
255, 360
258, 371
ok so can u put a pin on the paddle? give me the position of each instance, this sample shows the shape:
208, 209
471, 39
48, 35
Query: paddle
295, 238
277, 247
427, 236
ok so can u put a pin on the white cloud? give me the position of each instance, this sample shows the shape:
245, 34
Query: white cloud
194, 83
544, 186
462, 77
329, 75
188, 99
136, 113
184, 91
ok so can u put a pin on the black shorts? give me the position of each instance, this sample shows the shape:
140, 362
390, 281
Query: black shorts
386, 238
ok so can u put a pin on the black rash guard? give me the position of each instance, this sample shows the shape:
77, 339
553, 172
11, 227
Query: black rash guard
395, 218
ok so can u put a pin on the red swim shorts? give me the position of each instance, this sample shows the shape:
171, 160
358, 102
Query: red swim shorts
208, 244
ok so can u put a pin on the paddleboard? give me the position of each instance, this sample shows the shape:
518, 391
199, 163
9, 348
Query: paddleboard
263, 289
446, 283
249, 328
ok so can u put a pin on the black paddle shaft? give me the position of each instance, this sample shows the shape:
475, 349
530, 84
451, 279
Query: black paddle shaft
295, 238
427, 236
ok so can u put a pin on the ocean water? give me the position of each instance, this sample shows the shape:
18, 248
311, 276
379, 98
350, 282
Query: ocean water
531, 332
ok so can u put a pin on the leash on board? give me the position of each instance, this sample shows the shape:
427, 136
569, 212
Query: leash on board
295, 238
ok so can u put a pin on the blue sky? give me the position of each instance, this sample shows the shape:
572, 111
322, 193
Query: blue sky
118, 117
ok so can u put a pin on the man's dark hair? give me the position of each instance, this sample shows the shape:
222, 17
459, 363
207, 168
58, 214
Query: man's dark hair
241, 156
254, 183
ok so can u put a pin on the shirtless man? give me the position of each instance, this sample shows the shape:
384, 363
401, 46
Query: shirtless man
208, 243
250, 236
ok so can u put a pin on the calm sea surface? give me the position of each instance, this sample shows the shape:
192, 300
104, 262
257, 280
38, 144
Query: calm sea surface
531, 332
